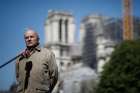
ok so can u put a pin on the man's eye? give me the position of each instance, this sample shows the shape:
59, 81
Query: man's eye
26, 37
31, 36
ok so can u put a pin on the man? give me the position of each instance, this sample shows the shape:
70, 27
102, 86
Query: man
36, 69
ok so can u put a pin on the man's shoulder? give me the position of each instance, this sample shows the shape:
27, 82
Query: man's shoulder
47, 53
47, 50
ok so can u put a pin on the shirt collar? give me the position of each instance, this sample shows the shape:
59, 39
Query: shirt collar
38, 48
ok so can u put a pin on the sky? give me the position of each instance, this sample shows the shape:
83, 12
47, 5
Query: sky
17, 15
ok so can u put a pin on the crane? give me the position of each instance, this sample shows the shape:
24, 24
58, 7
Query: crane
127, 20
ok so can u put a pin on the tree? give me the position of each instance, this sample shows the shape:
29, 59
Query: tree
122, 73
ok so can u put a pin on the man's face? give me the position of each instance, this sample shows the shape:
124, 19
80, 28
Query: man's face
31, 38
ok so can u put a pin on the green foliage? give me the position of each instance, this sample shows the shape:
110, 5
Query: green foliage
122, 73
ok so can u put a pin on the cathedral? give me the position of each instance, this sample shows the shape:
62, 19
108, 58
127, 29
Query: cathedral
78, 62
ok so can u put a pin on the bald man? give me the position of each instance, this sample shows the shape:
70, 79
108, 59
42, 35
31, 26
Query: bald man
36, 69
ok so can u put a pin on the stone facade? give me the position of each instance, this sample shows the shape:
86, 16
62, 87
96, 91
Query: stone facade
59, 33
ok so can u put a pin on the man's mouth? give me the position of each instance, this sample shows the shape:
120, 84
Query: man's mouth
29, 42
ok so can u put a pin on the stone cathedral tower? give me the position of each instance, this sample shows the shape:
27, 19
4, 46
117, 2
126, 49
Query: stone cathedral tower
59, 33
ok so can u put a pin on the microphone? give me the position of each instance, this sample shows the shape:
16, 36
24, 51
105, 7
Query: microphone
28, 68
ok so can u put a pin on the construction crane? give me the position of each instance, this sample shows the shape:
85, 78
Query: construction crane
127, 20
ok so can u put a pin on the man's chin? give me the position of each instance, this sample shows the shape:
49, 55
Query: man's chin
30, 45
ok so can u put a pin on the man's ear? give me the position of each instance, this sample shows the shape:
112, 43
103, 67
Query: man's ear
38, 38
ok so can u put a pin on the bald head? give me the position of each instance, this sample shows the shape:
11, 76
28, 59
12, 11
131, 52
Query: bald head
29, 30
31, 38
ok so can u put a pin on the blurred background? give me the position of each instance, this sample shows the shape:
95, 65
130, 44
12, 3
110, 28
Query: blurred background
81, 33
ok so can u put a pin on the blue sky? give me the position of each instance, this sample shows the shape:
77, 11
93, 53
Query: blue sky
16, 15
